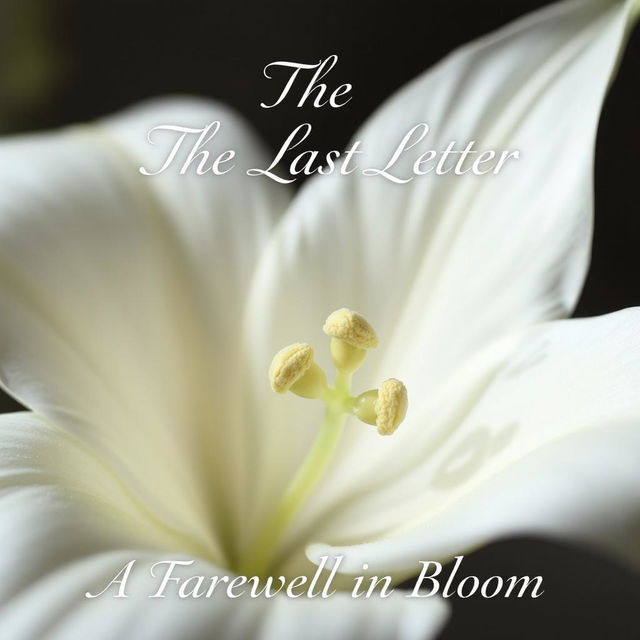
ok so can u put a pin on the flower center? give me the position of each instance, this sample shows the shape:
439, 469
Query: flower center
293, 369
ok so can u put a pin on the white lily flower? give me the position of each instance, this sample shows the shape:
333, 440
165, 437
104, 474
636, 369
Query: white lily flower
139, 317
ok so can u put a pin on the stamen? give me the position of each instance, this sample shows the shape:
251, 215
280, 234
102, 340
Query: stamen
351, 327
391, 406
289, 365
313, 384
385, 407
351, 337
293, 369
364, 407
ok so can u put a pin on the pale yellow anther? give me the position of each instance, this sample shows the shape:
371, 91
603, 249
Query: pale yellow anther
351, 327
390, 406
289, 365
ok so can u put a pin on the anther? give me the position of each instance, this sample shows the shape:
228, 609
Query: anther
351, 337
293, 369
385, 407
391, 406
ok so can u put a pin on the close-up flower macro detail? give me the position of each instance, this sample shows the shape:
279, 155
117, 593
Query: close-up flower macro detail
225, 370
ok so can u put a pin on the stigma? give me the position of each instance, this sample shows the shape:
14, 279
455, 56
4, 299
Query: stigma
293, 369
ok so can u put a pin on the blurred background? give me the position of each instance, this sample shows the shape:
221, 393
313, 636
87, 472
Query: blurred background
62, 61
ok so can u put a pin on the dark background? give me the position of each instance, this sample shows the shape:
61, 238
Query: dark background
63, 61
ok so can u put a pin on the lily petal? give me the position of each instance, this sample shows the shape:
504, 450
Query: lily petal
121, 296
550, 448
422, 260
61, 502
54, 608
67, 527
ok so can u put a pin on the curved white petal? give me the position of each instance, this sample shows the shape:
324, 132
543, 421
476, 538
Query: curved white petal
444, 265
59, 502
551, 447
67, 527
57, 609
121, 297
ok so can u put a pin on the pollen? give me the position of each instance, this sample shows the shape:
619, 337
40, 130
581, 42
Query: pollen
294, 369
289, 365
390, 406
352, 328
